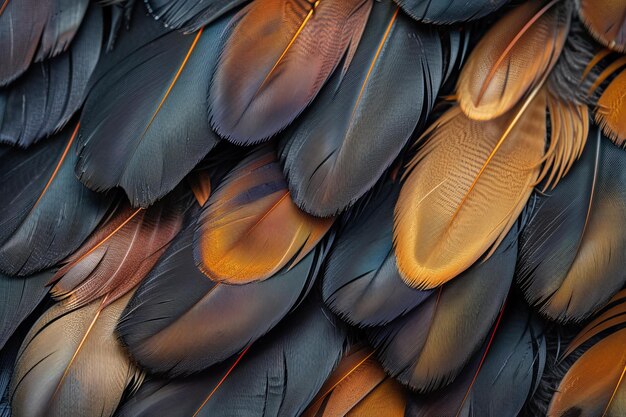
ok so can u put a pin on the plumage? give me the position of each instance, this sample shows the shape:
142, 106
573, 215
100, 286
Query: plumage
72, 363
501, 376
46, 96
358, 387
449, 11
594, 384
512, 58
277, 376
571, 252
144, 124
464, 190
32, 30
181, 322
276, 56
18, 298
48, 212
428, 347
361, 282
363, 116
119, 254
606, 21
610, 114
190, 15
249, 228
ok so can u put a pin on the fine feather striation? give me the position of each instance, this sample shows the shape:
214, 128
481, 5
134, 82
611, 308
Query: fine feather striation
606, 21
275, 58
144, 124
46, 96
449, 11
48, 212
181, 322
365, 114
277, 376
190, 15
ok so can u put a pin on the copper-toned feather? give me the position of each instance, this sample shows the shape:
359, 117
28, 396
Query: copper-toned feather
358, 387
569, 124
276, 58
119, 254
611, 114
250, 228
606, 21
200, 183
466, 187
513, 57
71, 363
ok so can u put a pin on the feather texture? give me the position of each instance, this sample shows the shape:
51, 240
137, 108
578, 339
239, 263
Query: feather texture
181, 322
514, 56
466, 187
364, 116
71, 362
361, 282
18, 298
144, 125
606, 21
46, 96
358, 388
190, 15
48, 212
610, 113
449, 11
275, 59
277, 376
31, 30
499, 379
249, 228
428, 347
571, 253
119, 254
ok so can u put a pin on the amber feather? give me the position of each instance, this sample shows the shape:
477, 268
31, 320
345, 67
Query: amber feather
606, 21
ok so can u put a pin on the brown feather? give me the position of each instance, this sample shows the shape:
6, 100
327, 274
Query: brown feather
200, 183
611, 114
278, 55
250, 228
606, 21
464, 190
512, 58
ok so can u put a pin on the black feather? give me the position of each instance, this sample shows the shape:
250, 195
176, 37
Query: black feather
190, 15
145, 123
572, 251
278, 376
449, 11
363, 117
180, 322
47, 213
43, 100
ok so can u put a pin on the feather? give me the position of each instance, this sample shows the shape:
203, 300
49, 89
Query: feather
18, 298
606, 21
449, 11
275, 59
513, 57
48, 212
32, 30
361, 282
8, 355
144, 124
593, 384
502, 376
362, 118
358, 388
180, 322
571, 252
72, 362
610, 113
428, 347
43, 100
119, 254
200, 184
249, 228
277, 376
190, 15
466, 187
